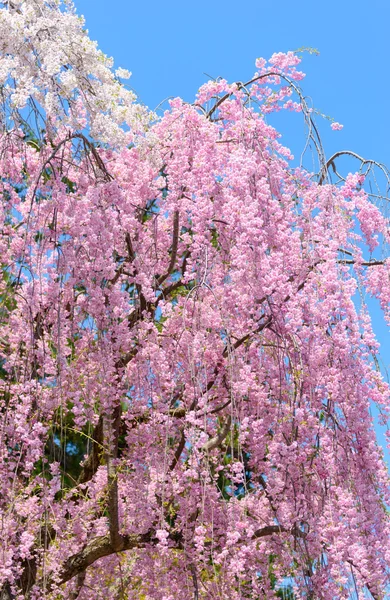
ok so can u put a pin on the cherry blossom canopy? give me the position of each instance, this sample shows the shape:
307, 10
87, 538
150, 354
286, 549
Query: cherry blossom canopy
182, 311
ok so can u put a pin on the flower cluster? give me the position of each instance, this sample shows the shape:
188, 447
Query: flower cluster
49, 62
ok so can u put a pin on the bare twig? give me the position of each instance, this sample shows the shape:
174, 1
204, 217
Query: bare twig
362, 160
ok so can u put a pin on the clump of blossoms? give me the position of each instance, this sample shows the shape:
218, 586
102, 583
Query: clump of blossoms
51, 66
186, 381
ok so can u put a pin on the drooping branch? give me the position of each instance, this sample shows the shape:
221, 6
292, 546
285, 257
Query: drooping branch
214, 442
101, 546
195, 581
314, 137
362, 160
240, 86
88, 146
368, 584
167, 291
269, 497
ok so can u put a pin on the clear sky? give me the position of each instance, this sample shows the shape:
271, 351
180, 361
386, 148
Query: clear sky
169, 46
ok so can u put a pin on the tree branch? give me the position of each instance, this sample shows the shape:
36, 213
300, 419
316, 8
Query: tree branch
92, 462
175, 242
368, 585
129, 246
80, 582
370, 263
354, 155
271, 529
243, 339
98, 548
111, 424
241, 86
179, 450
218, 439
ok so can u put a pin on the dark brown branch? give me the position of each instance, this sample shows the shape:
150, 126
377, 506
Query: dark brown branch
118, 273
175, 242
179, 450
210, 384
87, 144
195, 581
111, 425
219, 408
263, 484
92, 462
272, 529
246, 337
131, 256
178, 412
5, 592
303, 283
80, 582
342, 250
143, 304
241, 86
129, 246
174, 286
29, 573
98, 548
99, 161
126, 358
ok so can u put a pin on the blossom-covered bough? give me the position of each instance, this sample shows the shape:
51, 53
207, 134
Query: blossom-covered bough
187, 359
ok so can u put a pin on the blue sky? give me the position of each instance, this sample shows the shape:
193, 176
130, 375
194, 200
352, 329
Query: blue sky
169, 46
